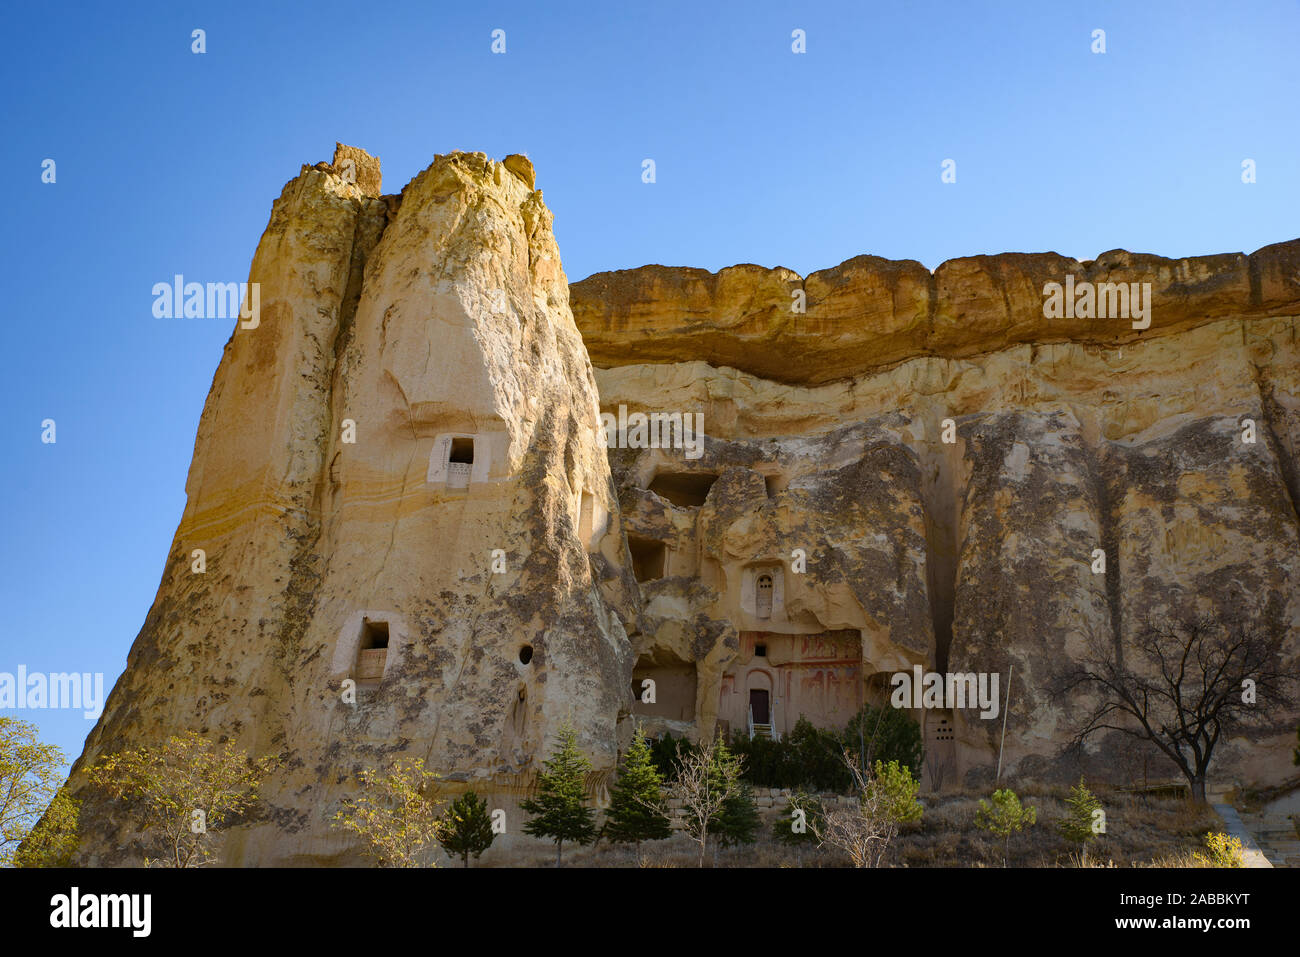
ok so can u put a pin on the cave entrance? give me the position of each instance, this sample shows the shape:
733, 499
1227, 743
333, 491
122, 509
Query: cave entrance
649, 558
683, 489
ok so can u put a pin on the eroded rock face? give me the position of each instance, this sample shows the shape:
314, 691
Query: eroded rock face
869, 313
1066, 437
729, 606
398, 481
401, 482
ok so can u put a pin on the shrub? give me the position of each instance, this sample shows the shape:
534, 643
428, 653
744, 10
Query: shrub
1224, 851
885, 734
394, 813
665, 751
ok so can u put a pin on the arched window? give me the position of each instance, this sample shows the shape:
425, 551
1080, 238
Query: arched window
764, 601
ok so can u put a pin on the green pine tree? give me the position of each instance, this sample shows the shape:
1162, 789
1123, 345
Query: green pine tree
1003, 817
637, 810
738, 822
559, 811
467, 828
799, 830
1079, 826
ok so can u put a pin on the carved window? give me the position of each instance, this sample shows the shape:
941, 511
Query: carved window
372, 650
460, 462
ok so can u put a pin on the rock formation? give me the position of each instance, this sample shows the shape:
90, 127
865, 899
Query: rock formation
1068, 435
398, 481
415, 542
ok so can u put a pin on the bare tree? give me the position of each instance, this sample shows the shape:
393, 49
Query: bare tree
1183, 684
706, 777
886, 798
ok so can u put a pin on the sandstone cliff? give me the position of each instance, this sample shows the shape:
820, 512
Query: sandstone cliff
401, 488
398, 481
1068, 435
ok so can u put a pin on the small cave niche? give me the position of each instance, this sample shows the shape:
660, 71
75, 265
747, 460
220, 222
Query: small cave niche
775, 484
683, 489
587, 521
460, 462
456, 460
672, 685
462, 451
525, 654
649, 558
372, 650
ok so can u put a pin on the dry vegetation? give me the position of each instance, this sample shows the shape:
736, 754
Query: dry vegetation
1140, 832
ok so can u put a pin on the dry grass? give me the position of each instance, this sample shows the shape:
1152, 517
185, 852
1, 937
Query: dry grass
1140, 832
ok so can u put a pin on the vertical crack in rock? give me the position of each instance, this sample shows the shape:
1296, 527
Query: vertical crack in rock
942, 498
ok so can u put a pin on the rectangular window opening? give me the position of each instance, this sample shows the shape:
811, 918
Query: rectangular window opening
649, 558
372, 650
462, 451
374, 634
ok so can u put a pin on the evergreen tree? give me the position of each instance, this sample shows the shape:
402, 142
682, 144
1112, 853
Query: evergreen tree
559, 811
467, 828
1003, 817
738, 822
885, 734
637, 810
1079, 824
796, 830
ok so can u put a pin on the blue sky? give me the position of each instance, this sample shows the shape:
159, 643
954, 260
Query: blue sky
167, 162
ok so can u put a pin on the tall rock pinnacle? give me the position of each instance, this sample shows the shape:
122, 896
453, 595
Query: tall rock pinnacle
401, 494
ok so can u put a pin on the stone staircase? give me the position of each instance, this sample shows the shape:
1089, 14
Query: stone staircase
1277, 839
1253, 855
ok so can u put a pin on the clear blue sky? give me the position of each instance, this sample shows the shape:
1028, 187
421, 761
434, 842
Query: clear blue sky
168, 161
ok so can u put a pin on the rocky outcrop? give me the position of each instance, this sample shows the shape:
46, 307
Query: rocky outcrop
1065, 437
400, 487
405, 535
869, 313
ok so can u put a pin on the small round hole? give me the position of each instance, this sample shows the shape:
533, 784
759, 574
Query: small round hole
525, 654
